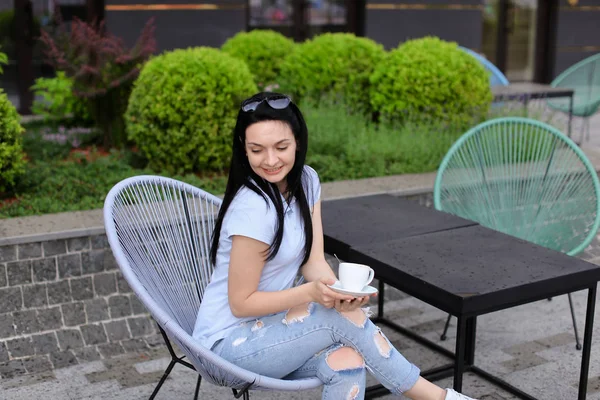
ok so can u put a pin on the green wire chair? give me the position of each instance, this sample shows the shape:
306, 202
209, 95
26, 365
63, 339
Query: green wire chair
584, 78
523, 178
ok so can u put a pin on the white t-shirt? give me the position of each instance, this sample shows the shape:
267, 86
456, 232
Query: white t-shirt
249, 215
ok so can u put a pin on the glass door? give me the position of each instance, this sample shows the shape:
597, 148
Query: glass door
520, 39
21, 22
509, 37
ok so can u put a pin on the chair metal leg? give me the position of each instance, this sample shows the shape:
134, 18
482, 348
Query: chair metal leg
162, 380
587, 128
577, 342
242, 393
582, 136
198, 387
443, 336
174, 360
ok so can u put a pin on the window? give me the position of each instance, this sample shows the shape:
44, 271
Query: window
269, 13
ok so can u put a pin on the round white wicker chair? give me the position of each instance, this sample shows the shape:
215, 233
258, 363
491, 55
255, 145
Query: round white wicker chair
159, 230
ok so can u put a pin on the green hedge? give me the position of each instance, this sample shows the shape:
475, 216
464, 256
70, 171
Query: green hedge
332, 65
432, 79
263, 51
183, 108
12, 161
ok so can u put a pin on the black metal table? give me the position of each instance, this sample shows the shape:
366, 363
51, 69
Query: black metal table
463, 269
525, 91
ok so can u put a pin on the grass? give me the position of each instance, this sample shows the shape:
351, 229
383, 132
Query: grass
350, 147
68, 171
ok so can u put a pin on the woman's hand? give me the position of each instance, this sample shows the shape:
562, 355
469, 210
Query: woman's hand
356, 302
320, 293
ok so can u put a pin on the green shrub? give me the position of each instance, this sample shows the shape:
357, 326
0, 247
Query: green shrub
183, 108
78, 184
12, 161
263, 51
431, 78
57, 99
334, 65
3, 60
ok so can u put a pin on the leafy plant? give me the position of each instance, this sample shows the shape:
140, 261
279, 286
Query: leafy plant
102, 69
3, 60
183, 108
332, 65
263, 51
57, 99
12, 160
81, 183
430, 79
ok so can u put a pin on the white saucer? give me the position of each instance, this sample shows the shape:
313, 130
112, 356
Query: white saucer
366, 291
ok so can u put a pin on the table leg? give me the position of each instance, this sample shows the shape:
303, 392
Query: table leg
471, 331
587, 342
380, 299
459, 362
570, 115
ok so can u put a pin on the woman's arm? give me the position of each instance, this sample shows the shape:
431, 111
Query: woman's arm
247, 260
317, 267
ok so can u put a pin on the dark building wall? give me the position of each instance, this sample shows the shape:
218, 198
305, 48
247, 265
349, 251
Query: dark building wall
391, 22
578, 33
199, 23
386, 21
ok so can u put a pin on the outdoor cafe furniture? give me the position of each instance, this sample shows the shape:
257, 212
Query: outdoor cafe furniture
526, 179
457, 266
526, 91
584, 78
497, 78
159, 231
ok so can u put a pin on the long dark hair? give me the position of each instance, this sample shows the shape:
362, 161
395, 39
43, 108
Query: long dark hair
241, 174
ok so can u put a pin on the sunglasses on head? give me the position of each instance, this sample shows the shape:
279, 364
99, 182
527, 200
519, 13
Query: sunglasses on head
275, 102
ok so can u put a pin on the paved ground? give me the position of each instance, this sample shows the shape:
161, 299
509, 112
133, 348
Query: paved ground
531, 346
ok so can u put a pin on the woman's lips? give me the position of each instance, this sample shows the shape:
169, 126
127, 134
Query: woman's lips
272, 171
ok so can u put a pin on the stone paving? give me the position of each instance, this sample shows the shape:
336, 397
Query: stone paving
531, 346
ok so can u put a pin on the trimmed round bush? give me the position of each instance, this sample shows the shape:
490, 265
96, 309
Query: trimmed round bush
332, 65
429, 78
263, 51
183, 108
12, 158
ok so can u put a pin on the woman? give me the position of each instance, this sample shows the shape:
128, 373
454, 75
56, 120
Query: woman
269, 229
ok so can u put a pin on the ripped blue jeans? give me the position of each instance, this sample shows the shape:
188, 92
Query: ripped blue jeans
298, 343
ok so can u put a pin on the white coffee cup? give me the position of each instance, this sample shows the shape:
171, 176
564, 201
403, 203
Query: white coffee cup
355, 277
